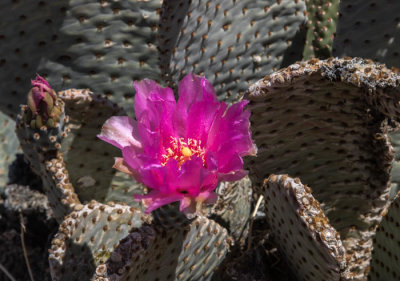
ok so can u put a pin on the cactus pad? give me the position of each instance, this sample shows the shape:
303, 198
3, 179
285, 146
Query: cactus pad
99, 48
311, 245
369, 29
327, 123
87, 237
233, 207
188, 253
229, 42
8, 147
322, 18
386, 253
88, 159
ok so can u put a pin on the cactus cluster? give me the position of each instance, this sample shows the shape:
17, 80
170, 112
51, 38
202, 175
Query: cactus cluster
325, 130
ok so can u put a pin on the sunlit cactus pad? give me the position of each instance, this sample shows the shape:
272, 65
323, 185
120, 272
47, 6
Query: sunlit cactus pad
88, 159
326, 122
186, 253
229, 42
321, 26
87, 237
311, 245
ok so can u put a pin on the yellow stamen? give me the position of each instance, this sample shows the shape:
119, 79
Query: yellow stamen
182, 150
186, 151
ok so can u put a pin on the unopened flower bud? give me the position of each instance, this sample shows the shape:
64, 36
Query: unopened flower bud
42, 102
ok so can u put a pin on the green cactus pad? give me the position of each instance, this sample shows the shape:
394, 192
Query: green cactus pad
386, 253
321, 25
88, 236
327, 122
40, 144
105, 46
232, 210
311, 245
395, 140
41, 148
58, 188
230, 42
89, 160
369, 29
188, 253
9, 146
93, 44
29, 31
373, 34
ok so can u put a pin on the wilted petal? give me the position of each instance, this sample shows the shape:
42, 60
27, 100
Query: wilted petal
120, 165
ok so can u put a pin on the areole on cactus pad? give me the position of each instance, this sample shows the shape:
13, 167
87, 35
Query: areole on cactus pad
181, 150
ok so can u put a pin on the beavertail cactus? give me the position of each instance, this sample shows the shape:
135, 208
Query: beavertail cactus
332, 132
319, 123
48, 161
298, 223
321, 26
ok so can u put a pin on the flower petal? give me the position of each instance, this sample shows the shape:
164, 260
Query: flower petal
230, 134
196, 107
156, 199
120, 165
120, 131
154, 105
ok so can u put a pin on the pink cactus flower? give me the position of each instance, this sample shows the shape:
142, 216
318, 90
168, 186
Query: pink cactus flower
181, 150
41, 97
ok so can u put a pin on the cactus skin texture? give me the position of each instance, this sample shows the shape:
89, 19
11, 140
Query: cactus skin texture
228, 41
8, 147
385, 256
321, 26
291, 209
371, 34
88, 236
324, 123
188, 253
336, 116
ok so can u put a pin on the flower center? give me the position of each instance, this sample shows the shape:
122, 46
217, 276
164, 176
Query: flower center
181, 150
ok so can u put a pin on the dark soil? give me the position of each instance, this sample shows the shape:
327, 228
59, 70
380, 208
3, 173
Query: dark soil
23, 199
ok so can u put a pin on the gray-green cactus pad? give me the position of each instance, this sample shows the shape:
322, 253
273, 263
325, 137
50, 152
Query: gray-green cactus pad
327, 122
233, 207
311, 245
20, 198
89, 160
230, 42
232, 210
102, 45
321, 26
105, 46
29, 31
9, 146
41, 148
369, 29
87, 237
185, 253
386, 253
